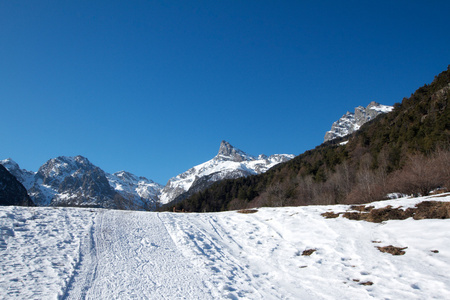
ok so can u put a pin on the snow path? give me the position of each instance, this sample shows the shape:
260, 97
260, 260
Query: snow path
131, 256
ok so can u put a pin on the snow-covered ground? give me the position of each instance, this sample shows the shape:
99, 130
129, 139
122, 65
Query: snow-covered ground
69, 253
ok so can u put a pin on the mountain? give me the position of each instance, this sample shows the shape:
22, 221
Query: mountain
142, 192
12, 192
229, 163
351, 122
72, 181
75, 181
404, 151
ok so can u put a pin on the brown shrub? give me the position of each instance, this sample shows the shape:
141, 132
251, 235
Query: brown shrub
422, 174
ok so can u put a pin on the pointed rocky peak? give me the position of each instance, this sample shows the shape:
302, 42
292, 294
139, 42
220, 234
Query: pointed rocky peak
226, 149
228, 152
10, 164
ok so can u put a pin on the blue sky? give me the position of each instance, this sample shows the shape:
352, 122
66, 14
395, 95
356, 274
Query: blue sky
152, 87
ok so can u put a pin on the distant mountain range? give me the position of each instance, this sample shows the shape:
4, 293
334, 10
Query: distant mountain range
75, 181
351, 122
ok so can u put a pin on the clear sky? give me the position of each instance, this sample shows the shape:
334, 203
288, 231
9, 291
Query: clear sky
153, 87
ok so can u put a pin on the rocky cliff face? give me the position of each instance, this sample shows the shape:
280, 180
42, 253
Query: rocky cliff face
12, 192
350, 122
72, 181
229, 163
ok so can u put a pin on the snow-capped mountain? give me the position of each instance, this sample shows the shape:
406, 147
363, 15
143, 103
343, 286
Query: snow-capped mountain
75, 181
139, 190
351, 122
229, 163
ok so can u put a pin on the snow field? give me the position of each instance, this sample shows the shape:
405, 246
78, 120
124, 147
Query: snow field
39, 250
49, 253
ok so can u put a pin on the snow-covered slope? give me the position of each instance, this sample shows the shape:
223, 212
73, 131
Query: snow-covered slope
75, 253
75, 181
351, 122
229, 163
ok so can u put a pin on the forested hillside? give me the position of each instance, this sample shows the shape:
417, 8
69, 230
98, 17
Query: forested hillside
405, 151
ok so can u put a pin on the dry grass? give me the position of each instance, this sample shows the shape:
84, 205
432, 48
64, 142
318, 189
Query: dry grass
423, 210
330, 215
247, 211
392, 250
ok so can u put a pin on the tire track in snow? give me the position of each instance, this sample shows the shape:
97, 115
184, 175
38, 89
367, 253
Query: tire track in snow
134, 257
86, 268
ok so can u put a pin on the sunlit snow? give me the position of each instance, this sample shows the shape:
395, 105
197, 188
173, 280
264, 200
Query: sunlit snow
74, 253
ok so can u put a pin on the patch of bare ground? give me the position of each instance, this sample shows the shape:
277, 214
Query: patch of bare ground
392, 250
330, 215
432, 210
422, 210
308, 252
247, 211
364, 282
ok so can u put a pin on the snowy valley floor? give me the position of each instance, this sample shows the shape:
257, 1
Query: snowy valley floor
69, 253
